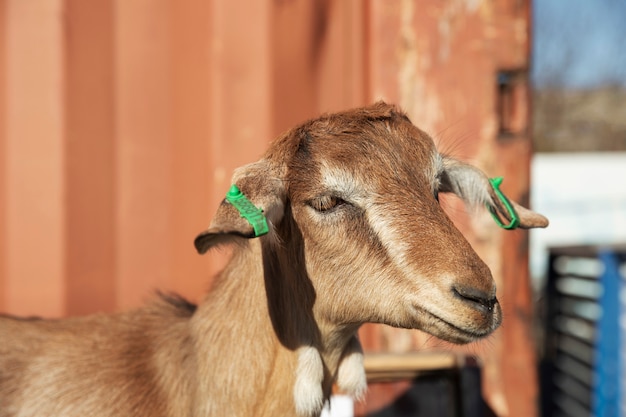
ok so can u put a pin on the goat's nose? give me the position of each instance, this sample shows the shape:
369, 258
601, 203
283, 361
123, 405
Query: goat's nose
477, 299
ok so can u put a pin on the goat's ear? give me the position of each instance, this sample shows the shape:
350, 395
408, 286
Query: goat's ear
260, 184
473, 187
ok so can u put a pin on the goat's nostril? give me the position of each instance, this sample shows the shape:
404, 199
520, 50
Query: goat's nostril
490, 303
477, 298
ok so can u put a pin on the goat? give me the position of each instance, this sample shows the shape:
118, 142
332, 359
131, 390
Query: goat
355, 235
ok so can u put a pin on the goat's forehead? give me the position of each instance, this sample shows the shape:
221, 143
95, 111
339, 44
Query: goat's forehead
359, 154
370, 174
352, 167
381, 144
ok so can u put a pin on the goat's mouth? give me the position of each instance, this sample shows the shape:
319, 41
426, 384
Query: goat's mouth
461, 332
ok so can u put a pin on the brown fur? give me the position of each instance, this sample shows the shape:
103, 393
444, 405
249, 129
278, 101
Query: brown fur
279, 327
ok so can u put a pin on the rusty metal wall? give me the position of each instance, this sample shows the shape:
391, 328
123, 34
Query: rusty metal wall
121, 122
443, 62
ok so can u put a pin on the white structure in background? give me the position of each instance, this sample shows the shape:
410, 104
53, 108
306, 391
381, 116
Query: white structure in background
584, 196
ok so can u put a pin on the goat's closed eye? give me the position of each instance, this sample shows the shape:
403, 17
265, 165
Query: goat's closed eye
326, 203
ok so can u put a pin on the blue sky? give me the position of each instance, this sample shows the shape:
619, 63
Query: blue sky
579, 43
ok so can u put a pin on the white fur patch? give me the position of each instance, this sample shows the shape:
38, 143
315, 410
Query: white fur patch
341, 182
382, 222
307, 392
351, 373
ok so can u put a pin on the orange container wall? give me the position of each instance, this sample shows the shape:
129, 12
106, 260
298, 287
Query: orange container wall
3, 167
90, 166
34, 158
143, 157
121, 123
192, 189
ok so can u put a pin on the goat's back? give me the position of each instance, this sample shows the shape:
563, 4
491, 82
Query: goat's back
98, 365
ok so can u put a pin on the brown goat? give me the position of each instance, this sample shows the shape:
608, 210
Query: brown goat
356, 235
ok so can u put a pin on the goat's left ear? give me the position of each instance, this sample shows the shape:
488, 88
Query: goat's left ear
473, 187
260, 184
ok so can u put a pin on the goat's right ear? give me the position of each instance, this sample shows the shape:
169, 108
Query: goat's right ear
473, 186
264, 188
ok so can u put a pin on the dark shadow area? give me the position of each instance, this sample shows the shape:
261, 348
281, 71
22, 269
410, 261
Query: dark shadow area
454, 393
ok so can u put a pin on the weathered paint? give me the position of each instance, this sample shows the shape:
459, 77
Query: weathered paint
439, 60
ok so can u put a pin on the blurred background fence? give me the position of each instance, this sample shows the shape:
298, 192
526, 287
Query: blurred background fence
577, 264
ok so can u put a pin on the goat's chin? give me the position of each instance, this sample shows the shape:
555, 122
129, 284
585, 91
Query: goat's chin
458, 333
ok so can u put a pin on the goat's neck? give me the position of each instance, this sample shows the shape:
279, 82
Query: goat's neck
257, 326
319, 344
292, 302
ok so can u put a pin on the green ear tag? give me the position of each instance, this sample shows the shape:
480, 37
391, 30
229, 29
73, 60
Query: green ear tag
248, 211
495, 183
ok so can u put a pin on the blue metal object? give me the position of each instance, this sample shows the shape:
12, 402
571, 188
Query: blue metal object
607, 388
